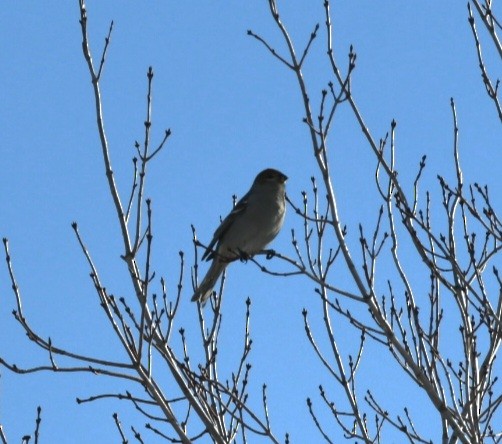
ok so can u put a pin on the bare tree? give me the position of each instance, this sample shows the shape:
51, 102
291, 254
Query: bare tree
454, 242
145, 326
405, 319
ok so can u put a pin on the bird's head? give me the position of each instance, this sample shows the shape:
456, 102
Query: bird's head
270, 176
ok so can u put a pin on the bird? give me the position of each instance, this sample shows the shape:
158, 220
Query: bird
252, 224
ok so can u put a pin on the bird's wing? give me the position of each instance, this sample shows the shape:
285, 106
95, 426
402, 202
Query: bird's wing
239, 209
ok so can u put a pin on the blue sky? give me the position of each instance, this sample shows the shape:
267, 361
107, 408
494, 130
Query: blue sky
233, 110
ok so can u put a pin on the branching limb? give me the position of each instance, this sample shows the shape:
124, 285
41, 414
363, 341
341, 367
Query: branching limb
492, 90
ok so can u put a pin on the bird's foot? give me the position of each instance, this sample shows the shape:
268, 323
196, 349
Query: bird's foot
269, 254
243, 256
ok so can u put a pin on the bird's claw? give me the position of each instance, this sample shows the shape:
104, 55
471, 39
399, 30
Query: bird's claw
269, 254
243, 256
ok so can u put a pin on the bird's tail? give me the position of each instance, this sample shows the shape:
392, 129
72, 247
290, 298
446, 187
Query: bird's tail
204, 290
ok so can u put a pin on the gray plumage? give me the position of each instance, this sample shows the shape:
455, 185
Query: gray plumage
253, 223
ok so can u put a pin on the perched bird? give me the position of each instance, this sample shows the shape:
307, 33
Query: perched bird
249, 228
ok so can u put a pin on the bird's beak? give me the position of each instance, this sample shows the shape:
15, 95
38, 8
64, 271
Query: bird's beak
283, 178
